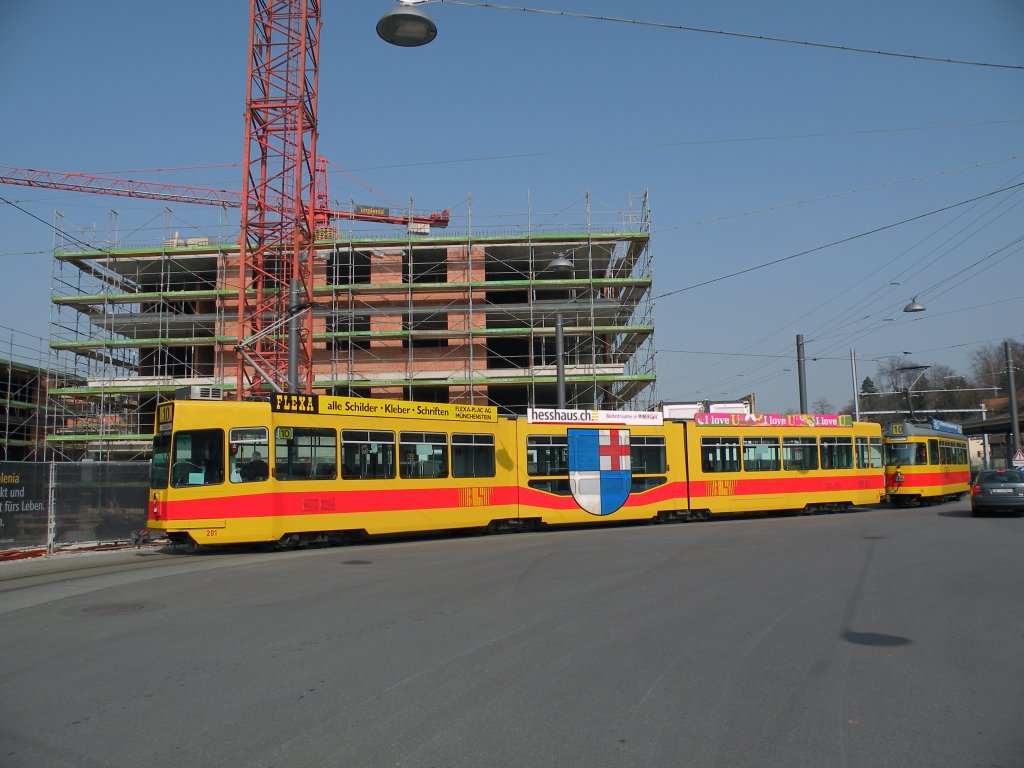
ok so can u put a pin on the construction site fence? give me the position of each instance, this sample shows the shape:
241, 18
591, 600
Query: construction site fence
54, 505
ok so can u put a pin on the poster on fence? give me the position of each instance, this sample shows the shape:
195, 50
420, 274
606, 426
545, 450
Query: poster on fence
92, 502
99, 501
24, 495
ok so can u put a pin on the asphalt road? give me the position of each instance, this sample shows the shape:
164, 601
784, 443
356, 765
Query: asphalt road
871, 639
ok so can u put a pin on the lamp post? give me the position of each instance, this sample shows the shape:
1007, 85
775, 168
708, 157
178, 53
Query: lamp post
561, 266
560, 361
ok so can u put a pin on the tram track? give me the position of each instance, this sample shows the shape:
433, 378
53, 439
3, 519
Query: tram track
24, 574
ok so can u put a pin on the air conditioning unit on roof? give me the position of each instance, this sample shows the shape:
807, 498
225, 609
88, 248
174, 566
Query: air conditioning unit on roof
199, 392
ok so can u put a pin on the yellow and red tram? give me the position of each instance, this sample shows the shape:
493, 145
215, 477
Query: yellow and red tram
301, 468
925, 463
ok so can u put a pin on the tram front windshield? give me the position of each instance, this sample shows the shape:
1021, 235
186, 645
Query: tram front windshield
905, 454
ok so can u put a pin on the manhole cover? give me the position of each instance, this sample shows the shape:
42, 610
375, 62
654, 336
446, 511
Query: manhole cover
113, 608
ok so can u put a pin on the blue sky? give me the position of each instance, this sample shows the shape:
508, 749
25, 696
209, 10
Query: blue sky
751, 152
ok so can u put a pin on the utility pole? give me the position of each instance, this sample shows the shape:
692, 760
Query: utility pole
1012, 389
801, 373
856, 389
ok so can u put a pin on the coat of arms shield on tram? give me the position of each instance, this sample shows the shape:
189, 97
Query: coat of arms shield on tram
599, 469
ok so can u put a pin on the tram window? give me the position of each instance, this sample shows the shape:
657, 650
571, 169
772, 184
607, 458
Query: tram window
875, 453
424, 454
302, 453
557, 487
647, 454
920, 454
249, 448
367, 455
899, 454
761, 454
720, 454
952, 452
869, 452
799, 453
197, 458
933, 451
641, 484
836, 453
161, 461
472, 455
547, 455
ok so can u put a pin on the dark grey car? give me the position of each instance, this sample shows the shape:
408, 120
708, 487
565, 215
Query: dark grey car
997, 490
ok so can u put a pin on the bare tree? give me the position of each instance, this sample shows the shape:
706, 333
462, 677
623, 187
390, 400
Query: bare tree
988, 363
821, 405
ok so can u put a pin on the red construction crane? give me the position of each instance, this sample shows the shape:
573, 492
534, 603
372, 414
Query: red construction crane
283, 199
279, 194
226, 198
261, 358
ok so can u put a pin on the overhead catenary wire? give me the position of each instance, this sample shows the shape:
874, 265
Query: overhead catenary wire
834, 243
58, 230
954, 241
835, 195
854, 314
741, 35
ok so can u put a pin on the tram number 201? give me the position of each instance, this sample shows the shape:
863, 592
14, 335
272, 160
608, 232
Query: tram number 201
211, 532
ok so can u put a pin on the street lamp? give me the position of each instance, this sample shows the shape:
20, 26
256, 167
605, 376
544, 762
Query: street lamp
406, 26
914, 306
561, 265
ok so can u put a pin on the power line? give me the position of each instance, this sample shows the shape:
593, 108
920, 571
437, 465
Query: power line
742, 35
58, 230
836, 242
22, 253
835, 195
721, 354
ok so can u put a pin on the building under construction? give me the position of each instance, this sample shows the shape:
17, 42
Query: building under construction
443, 316
24, 381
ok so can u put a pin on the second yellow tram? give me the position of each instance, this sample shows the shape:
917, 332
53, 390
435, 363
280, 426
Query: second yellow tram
925, 463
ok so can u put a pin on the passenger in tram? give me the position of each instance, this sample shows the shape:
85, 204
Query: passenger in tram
255, 469
922, 454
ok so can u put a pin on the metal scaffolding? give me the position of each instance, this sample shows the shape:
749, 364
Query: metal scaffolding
465, 316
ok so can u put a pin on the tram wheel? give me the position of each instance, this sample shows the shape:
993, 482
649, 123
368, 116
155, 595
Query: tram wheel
188, 547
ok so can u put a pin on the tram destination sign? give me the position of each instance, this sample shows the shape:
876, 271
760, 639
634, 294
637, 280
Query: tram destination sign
329, 405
